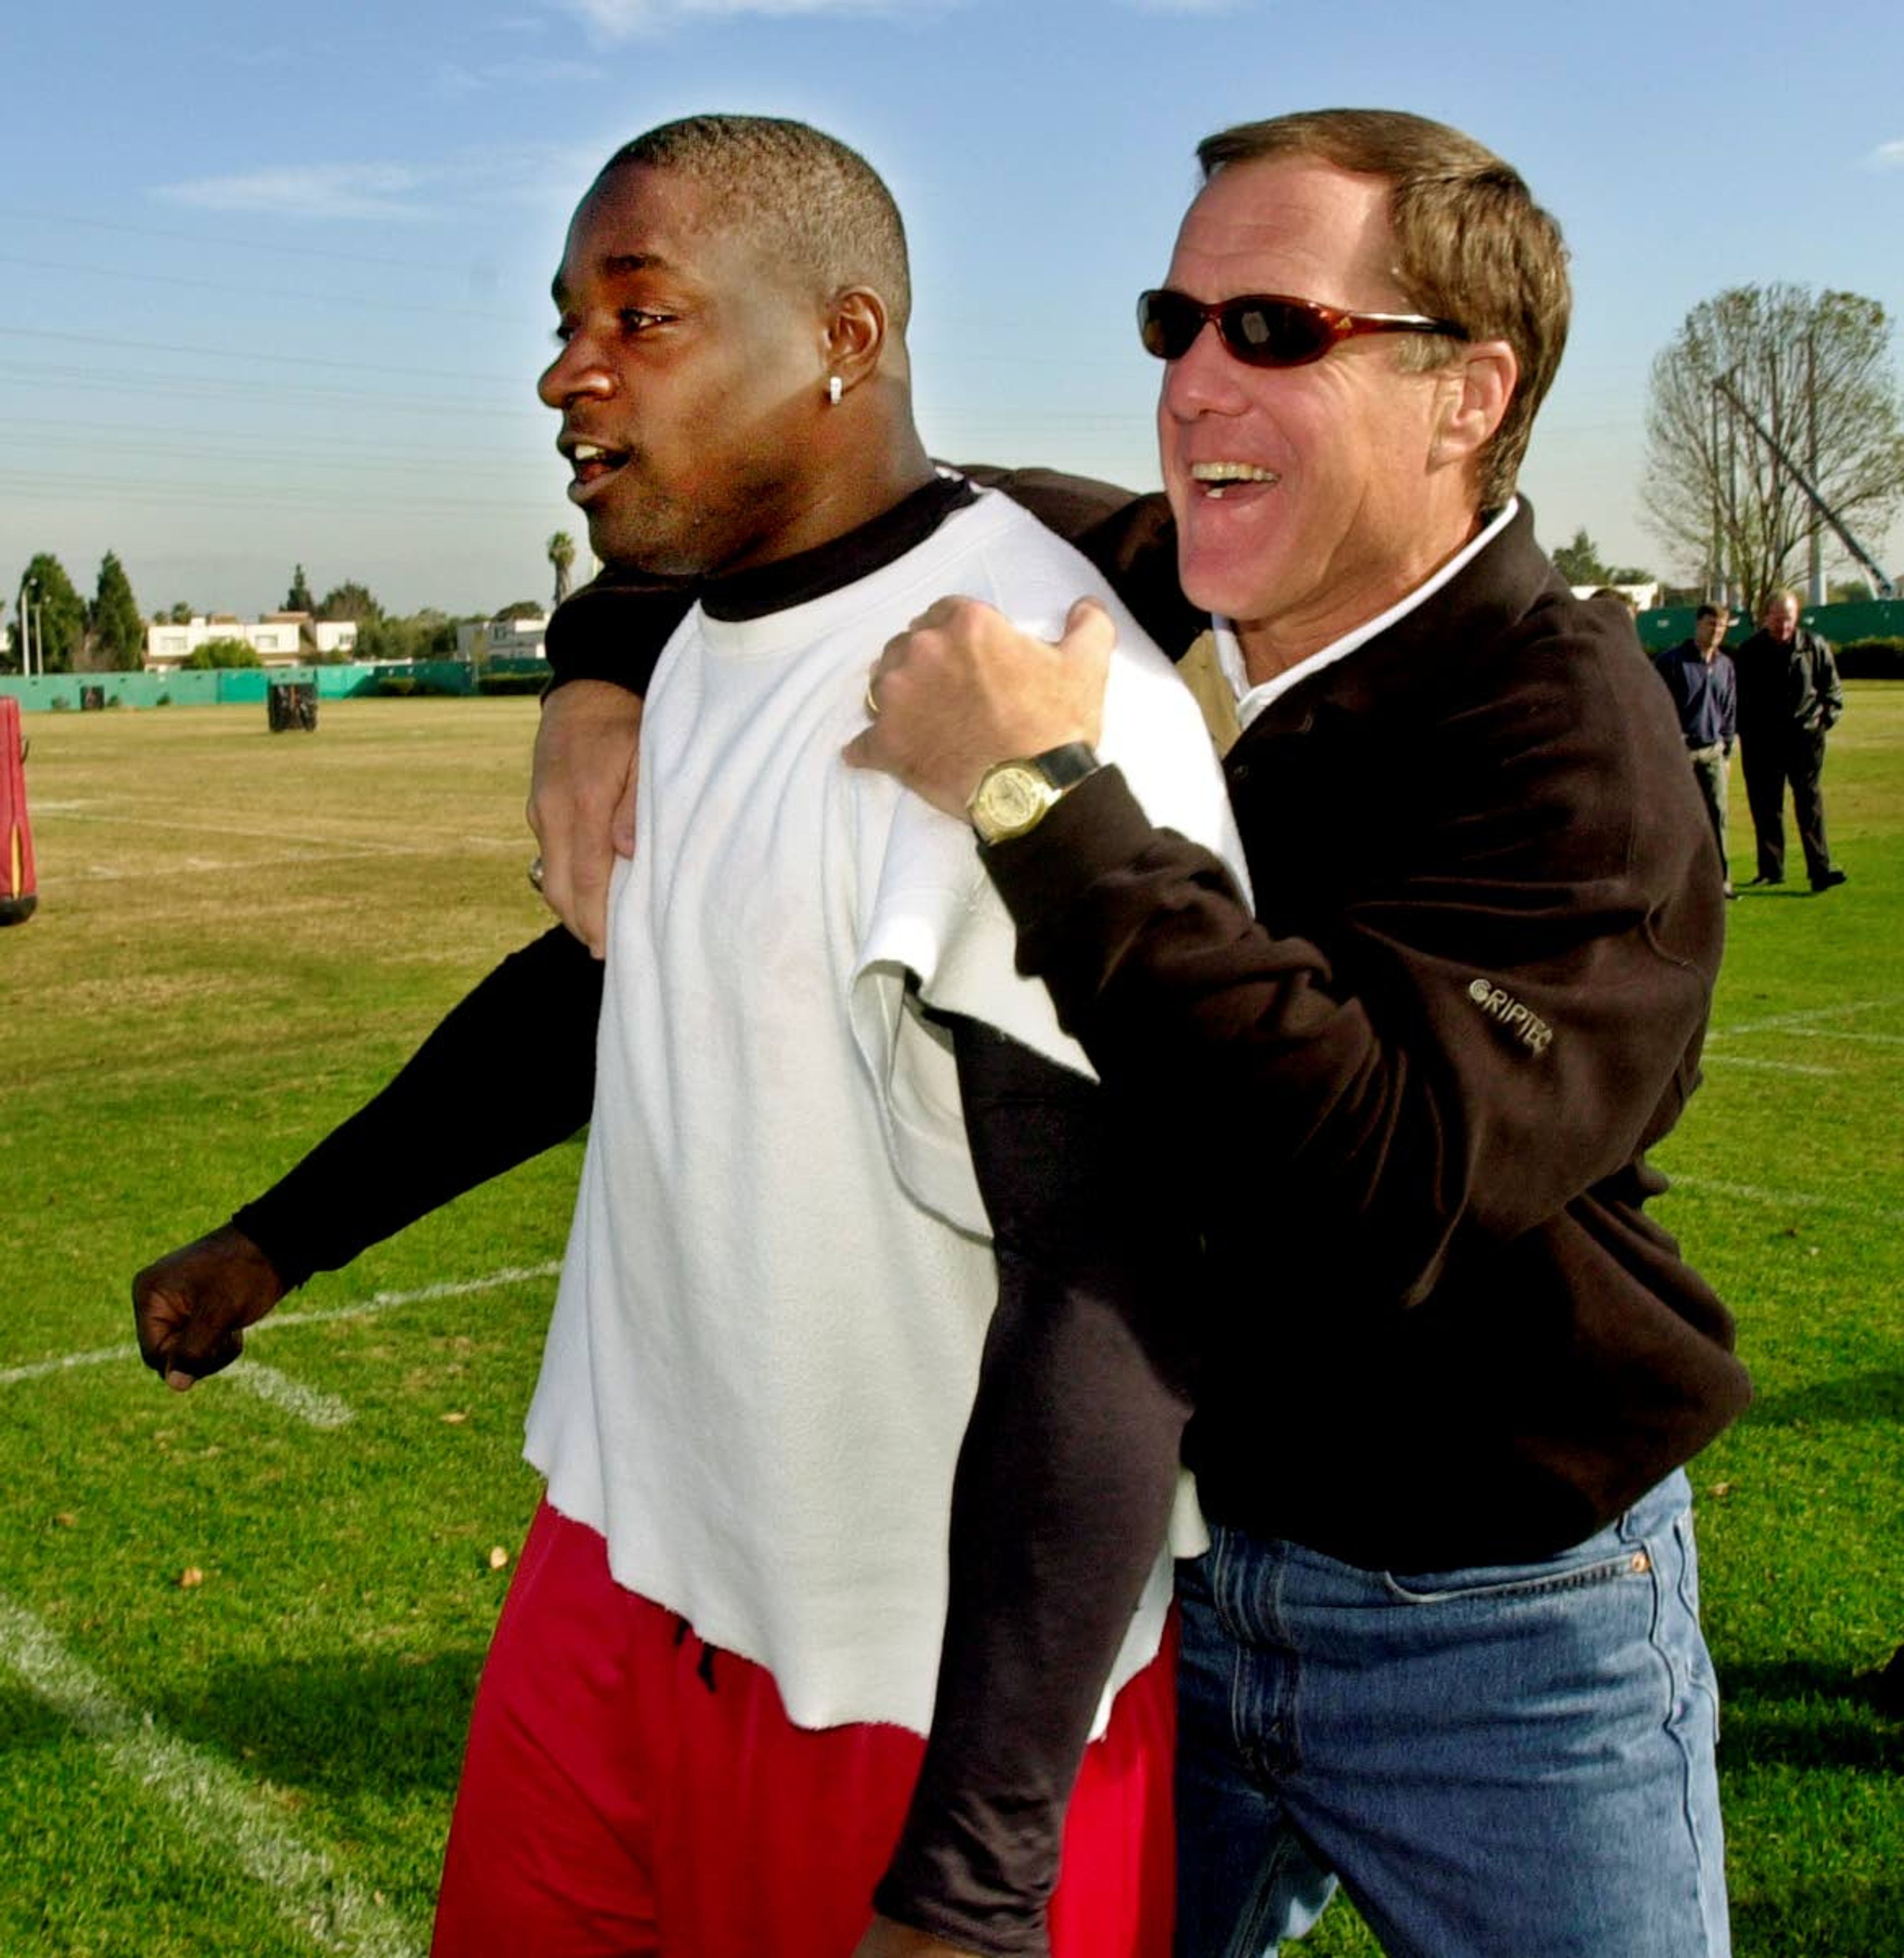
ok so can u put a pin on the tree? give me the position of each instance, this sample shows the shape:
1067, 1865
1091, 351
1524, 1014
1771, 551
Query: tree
561, 555
221, 653
181, 613
422, 635
349, 600
55, 613
436, 633
1849, 591
1814, 372
118, 627
521, 608
1580, 563
299, 598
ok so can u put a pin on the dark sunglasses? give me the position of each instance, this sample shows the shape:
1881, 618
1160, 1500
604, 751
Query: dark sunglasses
1267, 329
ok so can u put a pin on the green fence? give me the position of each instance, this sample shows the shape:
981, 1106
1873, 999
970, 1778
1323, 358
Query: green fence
1874, 618
228, 687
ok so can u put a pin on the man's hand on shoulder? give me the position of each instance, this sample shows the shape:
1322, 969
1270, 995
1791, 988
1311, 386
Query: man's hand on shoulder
962, 689
885, 1939
581, 799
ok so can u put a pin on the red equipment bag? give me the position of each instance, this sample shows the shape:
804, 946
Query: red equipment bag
17, 892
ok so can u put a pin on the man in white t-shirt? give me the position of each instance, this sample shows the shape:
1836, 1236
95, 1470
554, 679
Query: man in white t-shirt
815, 1546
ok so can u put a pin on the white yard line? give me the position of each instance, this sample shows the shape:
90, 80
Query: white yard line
365, 846
109, 873
386, 1301
38, 1370
224, 829
1780, 1023
1788, 1199
222, 1810
1767, 1066
279, 1389
1846, 1034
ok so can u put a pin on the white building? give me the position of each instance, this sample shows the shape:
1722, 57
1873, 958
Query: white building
1642, 597
279, 638
500, 638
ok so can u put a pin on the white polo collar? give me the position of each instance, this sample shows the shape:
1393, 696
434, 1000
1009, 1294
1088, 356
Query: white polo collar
1252, 700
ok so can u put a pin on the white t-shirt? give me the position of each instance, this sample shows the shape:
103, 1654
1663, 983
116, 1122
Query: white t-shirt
766, 1339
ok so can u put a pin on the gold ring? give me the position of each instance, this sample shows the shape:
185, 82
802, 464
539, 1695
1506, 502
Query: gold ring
872, 699
535, 871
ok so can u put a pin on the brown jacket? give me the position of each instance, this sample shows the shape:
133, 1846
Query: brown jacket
1411, 1099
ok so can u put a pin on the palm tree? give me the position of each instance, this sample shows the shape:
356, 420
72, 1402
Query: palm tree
561, 555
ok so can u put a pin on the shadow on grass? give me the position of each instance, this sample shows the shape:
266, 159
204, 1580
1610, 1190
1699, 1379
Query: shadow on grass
27, 1722
1824, 1920
1795, 1713
347, 1726
1851, 1398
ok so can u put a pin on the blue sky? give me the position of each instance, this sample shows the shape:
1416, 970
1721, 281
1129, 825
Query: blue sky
273, 281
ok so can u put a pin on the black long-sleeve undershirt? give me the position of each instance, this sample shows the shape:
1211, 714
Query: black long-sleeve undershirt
509, 1073
1062, 1497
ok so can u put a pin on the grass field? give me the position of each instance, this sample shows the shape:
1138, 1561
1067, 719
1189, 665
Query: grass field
238, 1630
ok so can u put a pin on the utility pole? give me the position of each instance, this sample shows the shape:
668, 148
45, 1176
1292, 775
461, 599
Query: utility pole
1716, 563
1816, 581
29, 593
1774, 541
1881, 580
1735, 587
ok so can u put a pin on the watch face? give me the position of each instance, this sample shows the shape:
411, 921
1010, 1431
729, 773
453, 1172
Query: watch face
1013, 798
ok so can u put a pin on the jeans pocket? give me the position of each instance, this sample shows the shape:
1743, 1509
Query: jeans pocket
1499, 1583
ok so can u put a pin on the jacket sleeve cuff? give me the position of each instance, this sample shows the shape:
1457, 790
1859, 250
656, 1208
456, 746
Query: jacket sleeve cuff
1099, 827
997, 1926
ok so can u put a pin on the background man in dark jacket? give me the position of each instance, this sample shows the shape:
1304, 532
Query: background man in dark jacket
1698, 675
1789, 699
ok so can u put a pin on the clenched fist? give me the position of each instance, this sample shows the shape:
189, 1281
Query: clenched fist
191, 1306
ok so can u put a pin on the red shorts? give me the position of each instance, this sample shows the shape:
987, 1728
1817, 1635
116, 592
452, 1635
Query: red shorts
614, 1801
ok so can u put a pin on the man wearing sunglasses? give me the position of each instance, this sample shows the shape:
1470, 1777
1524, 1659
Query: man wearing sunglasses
1445, 1646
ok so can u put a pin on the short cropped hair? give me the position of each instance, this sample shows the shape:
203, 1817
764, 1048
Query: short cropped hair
1471, 245
816, 204
1711, 611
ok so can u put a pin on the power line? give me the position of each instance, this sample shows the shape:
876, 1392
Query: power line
173, 494
247, 353
203, 440
201, 239
120, 276
200, 387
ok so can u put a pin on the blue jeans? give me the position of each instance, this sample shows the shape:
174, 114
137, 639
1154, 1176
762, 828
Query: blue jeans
1516, 1762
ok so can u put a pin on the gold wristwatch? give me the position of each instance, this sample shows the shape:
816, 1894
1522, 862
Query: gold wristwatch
1012, 798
